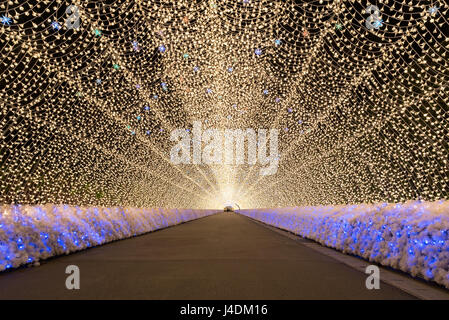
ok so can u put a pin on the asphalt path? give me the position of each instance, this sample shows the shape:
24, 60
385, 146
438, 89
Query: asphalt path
223, 256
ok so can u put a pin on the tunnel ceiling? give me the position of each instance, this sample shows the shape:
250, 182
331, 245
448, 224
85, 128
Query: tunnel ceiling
359, 98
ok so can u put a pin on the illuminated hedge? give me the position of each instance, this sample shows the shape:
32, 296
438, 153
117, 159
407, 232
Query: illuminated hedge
31, 233
412, 237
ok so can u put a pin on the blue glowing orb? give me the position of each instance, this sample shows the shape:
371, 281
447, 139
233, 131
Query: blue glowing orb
55, 25
6, 20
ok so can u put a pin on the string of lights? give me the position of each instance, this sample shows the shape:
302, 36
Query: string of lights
91, 91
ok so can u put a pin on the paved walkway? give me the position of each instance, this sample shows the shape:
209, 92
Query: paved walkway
224, 256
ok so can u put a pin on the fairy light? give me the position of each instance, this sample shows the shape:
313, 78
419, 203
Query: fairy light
87, 112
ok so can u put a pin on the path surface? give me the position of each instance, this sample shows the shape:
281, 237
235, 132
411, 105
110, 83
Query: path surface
224, 256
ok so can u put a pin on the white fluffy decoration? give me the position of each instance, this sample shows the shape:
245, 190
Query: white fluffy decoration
31, 233
411, 236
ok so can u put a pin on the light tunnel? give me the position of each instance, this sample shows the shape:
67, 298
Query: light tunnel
325, 121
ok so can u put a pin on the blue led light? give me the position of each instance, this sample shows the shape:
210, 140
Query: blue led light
55, 25
6, 20
396, 235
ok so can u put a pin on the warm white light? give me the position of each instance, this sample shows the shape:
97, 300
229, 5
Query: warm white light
87, 114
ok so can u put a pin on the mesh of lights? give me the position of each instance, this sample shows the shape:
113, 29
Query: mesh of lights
86, 113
